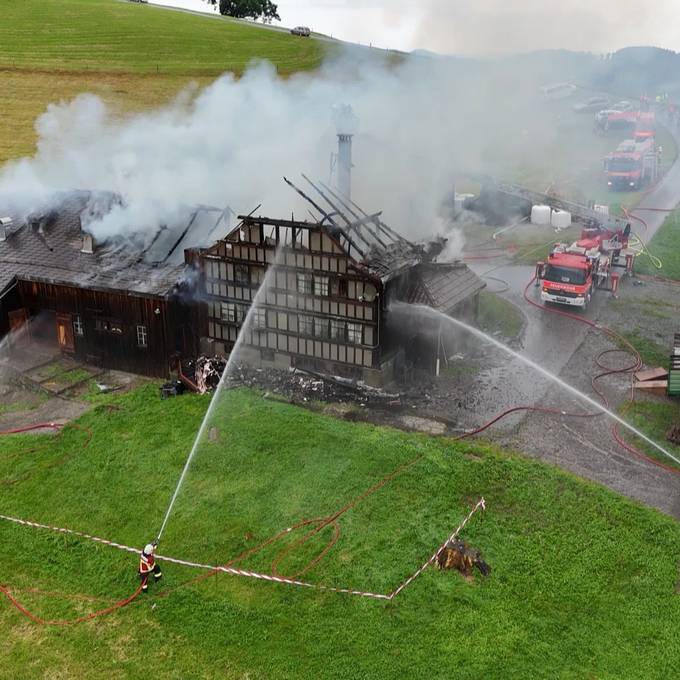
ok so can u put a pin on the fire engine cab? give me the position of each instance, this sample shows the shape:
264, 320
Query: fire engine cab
573, 272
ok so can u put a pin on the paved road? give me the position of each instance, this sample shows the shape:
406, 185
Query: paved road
549, 340
665, 195
568, 349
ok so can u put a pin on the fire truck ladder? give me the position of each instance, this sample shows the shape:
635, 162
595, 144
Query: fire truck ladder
579, 212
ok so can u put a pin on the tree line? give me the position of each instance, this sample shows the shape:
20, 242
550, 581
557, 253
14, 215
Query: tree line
249, 9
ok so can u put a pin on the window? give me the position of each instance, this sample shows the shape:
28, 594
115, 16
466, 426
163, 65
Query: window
338, 330
342, 288
229, 312
321, 328
306, 325
354, 333
78, 325
142, 337
304, 284
259, 318
241, 274
256, 275
232, 313
565, 275
108, 326
321, 285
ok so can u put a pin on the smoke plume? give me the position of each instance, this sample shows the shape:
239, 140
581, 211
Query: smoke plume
231, 143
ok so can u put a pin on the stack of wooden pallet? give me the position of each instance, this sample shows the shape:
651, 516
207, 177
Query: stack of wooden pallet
654, 381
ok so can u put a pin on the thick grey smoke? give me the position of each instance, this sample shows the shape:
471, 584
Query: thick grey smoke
231, 143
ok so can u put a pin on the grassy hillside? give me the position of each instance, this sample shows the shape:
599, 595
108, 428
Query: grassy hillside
583, 581
112, 36
135, 56
663, 246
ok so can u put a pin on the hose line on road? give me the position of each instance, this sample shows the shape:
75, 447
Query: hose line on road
607, 371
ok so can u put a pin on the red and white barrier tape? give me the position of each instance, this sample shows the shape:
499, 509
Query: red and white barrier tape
71, 532
481, 504
252, 574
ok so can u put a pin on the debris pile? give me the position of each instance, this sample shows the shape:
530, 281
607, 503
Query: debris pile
298, 385
204, 374
459, 555
673, 435
208, 372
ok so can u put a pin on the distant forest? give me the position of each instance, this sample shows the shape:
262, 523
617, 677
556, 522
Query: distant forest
640, 69
632, 71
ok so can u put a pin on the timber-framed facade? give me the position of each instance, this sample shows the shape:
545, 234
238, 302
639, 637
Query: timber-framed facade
317, 308
323, 290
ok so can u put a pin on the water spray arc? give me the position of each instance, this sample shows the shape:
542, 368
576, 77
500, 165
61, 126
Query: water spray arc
405, 308
247, 322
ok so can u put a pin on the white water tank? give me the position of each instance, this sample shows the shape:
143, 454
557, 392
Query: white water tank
561, 219
540, 214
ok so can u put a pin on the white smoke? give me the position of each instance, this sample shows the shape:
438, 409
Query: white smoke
231, 144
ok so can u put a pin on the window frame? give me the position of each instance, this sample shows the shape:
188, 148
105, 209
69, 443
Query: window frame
78, 326
306, 325
305, 283
259, 318
322, 328
338, 330
321, 286
142, 333
228, 312
355, 333
242, 274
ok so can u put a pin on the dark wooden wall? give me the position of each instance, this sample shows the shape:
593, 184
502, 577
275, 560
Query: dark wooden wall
8, 303
120, 351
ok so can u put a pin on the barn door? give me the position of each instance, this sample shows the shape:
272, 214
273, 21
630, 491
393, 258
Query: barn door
65, 333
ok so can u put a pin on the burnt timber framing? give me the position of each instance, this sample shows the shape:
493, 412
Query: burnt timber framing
328, 286
112, 304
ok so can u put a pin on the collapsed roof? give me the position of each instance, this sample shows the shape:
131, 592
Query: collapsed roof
54, 246
365, 237
383, 253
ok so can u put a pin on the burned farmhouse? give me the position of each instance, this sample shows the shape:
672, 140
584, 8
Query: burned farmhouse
117, 304
326, 301
144, 305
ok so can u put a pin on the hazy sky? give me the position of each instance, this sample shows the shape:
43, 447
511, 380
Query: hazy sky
487, 26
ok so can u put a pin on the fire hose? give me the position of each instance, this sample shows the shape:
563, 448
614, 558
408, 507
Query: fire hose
57, 427
635, 366
319, 524
7, 592
639, 243
68, 622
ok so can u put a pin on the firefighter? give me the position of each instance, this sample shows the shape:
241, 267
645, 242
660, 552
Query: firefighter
147, 565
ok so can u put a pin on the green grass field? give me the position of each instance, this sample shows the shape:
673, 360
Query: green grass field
497, 315
663, 246
583, 582
122, 37
654, 418
134, 56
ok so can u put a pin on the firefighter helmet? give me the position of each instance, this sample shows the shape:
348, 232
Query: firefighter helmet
148, 549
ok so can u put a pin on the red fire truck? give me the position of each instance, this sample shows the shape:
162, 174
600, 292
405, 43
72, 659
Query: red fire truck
573, 272
632, 165
645, 129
